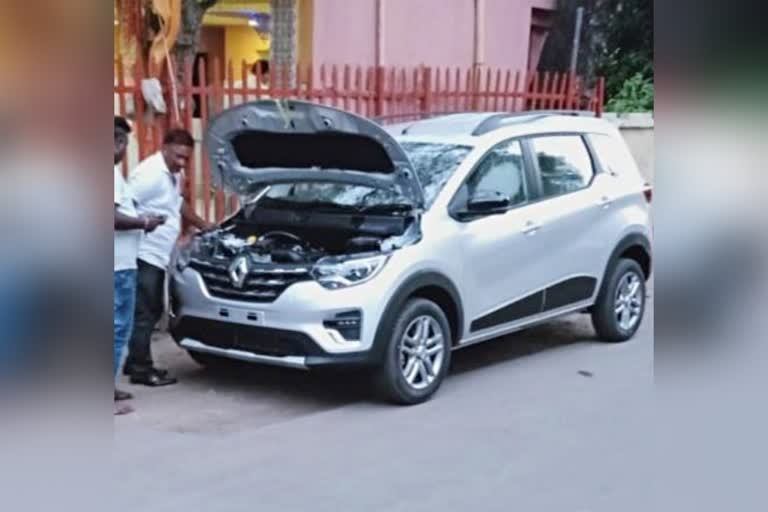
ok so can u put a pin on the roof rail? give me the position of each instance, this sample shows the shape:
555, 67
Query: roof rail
417, 116
498, 120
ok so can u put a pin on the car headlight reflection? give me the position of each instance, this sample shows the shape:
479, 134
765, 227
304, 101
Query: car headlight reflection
333, 272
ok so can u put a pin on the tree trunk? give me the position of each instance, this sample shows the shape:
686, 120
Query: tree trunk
188, 41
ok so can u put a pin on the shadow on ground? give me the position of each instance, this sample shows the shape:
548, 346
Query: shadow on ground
567, 331
334, 388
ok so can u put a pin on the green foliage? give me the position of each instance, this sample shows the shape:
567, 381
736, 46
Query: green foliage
635, 95
625, 55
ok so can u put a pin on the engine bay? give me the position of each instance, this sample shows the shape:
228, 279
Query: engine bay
270, 237
277, 246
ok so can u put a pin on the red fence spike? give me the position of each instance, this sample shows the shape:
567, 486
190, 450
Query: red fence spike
347, 88
334, 85
215, 72
497, 91
534, 94
506, 93
359, 91
230, 84
190, 189
403, 92
487, 90
311, 83
545, 91
202, 79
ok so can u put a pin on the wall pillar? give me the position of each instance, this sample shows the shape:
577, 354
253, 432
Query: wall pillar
284, 40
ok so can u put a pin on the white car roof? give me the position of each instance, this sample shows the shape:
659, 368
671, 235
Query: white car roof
472, 129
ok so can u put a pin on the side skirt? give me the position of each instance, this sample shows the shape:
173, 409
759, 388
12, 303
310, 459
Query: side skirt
522, 324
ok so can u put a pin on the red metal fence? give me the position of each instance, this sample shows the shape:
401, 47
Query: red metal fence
388, 93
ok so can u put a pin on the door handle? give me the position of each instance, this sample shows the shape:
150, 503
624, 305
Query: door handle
604, 202
531, 228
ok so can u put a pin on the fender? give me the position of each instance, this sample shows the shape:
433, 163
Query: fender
400, 297
624, 244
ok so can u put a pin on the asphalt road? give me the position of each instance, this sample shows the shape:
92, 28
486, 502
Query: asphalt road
544, 420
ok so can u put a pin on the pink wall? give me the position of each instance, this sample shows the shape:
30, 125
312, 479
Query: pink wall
508, 30
344, 32
431, 32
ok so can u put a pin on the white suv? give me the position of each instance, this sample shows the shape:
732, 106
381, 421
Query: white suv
391, 247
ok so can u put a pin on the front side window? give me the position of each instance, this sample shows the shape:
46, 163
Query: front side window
564, 164
502, 171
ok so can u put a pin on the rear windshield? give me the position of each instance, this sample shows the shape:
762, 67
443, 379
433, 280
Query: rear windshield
434, 165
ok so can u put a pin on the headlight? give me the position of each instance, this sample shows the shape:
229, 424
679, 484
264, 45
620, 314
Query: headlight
333, 272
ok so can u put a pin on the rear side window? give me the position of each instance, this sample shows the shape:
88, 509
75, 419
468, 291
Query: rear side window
564, 164
613, 155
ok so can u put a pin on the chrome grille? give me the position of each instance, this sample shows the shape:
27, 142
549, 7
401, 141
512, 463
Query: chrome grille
264, 283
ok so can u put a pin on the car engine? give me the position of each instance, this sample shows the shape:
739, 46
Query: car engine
275, 246
269, 247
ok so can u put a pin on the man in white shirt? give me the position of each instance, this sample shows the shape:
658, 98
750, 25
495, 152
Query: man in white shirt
157, 185
128, 231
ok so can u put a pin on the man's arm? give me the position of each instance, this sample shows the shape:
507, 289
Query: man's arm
125, 222
189, 216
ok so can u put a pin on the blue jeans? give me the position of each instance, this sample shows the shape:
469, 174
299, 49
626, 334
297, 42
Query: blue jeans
125, 301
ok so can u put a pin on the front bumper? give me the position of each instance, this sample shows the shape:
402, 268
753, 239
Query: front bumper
264, 345
299, 329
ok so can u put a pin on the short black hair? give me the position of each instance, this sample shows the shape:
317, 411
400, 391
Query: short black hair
122, 125
179, 136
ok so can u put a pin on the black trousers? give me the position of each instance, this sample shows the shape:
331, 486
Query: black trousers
149, 309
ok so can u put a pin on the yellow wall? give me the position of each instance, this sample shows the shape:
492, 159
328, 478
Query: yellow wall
243, 43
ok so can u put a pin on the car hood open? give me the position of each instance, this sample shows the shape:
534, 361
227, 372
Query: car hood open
267, 142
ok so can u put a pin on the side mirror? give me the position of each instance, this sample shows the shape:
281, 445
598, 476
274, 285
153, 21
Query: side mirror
485, 202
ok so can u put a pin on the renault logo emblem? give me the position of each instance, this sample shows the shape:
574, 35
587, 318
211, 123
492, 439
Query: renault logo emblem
238, 271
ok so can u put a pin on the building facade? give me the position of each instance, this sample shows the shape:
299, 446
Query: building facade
497, 33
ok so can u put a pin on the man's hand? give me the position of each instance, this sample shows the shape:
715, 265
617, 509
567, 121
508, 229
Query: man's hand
207, 226
194, 220
151, 222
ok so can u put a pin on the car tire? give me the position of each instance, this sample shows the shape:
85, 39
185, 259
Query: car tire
404, 376
620, 306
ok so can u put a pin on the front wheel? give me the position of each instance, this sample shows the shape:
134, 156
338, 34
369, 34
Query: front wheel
620, 305
417, 355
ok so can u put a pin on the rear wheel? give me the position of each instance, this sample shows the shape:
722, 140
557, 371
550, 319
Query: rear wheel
620, 305
417, 355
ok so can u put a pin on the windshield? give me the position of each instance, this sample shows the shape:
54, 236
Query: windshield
434, 165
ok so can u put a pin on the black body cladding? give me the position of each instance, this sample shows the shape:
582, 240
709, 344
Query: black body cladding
562, 294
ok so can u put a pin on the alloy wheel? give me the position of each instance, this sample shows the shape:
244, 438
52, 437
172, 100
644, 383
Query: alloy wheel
422, 352
628, 304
